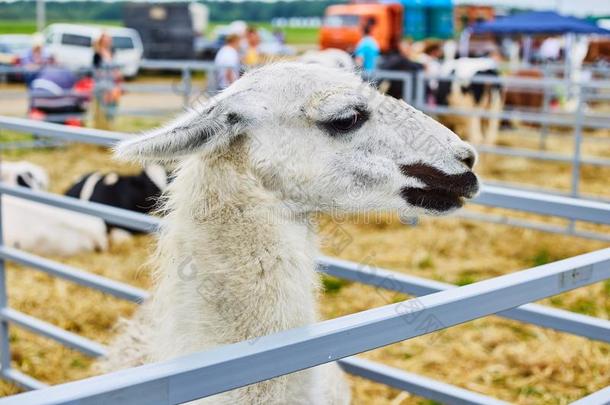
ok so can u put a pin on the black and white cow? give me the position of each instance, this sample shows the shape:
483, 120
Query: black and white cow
136, 193
397, 62
465, 93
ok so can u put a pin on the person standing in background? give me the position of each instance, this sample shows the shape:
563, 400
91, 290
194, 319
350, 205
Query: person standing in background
279, 36
251, 54
35, 58
226, 63
107, 90
102, 51
367, 50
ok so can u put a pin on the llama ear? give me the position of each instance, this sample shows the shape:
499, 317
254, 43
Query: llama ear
208, 128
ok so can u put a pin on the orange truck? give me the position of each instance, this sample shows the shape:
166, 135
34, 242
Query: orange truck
343, 25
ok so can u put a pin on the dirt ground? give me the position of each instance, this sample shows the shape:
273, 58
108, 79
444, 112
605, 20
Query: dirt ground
509, 360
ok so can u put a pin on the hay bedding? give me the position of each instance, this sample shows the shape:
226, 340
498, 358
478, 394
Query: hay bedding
505, 359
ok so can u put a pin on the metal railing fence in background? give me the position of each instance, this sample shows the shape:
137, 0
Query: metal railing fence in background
578, 120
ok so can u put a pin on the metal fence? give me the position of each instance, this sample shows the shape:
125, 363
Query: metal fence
198, 375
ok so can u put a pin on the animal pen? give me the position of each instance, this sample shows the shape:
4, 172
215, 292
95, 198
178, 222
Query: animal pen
438, 306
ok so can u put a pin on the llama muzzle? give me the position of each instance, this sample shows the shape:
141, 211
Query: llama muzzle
442, 192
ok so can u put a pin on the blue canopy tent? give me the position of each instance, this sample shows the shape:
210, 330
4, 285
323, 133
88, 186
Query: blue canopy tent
538, 22
534, 23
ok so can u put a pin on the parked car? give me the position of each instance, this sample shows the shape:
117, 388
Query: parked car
71, 45
11, 48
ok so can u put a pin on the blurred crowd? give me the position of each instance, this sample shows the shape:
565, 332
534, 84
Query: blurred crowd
241, 49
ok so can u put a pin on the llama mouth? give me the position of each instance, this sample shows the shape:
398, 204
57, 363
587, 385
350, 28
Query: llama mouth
442, 192
433, 199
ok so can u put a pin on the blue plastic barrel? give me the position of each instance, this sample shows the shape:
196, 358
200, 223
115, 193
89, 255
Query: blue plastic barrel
415, 19
439, 18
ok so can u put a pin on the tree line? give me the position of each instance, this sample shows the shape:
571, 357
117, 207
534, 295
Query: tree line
221, 11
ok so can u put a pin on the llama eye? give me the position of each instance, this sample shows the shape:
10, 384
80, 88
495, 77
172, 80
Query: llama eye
347, 124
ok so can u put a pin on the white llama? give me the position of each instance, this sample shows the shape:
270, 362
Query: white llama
236, 257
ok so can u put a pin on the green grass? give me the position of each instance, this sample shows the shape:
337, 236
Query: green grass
11, 136
333, 285
17, 27
294, 36
541, 257
29, 26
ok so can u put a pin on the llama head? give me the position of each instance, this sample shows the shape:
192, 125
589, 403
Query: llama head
322, 140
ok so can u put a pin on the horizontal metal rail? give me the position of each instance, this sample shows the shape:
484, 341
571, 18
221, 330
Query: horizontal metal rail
22, 380
416, 384
526, 224
601, 397
64, 132
392, 75
544, 190
150, 87
567, 120
227, 367
564, 321
103, 284
177, 65
565, 135
545, 204
113, 215
46, 329
540, 155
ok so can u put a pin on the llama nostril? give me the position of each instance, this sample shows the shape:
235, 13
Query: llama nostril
469, 159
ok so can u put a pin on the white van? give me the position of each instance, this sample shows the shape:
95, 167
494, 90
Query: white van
72, 46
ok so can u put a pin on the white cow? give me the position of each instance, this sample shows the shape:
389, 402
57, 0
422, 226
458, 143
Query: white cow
42, 229
463, 92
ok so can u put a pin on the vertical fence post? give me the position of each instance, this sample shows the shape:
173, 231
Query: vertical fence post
211, 85
546, 101
187, 86
407, 88
5, 352
578, 128
420, 90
